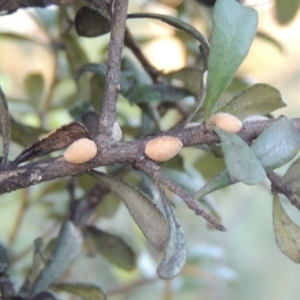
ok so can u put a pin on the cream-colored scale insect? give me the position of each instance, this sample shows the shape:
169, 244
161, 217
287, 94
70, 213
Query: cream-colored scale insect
163, 148
81, 151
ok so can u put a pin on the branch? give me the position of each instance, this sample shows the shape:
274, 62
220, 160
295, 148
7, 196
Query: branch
112, 81
123, 152
159, 177
134, 47
279, 187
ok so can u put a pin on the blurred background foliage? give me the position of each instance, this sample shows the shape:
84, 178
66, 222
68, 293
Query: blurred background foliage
40, 55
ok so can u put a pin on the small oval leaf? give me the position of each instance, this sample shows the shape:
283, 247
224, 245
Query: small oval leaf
35, 268
188, 77
292, 177
220, 181
241, 162
83, 290
66, 250
56, 140
4, 259
234, 28
175, 253
113, 248
142, 93
43, 296
277, 144
287, 233
259, 99
35, 86
90, 22
286, 10
5, 127
145, 212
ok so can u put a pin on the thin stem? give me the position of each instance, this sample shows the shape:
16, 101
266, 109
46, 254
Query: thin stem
158, 176
202, 88
179, 24
112, 82
279, 187
134, 47
124, 152
204, 47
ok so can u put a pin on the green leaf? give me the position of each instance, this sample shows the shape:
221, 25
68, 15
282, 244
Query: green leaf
5, 127
147, 214
79, 109
259, 99
35, 269
66, 250
175, 254
97, 84
268, 38
83, 290
113, 248
220, 181
241, 162
234, 28
91, 22
189, 77
43, 296
287, 233
292, 177
75, 54
277, 144
186, 175
101, 70
286, 10
90, 67
24, 135
142, 93
4, 259
35, 86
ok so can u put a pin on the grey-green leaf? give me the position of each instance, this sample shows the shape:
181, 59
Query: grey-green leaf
113, 248
35, 86
4, 259
35, 269
241, 162
84, 290
66, 250
101, 70
277, 144
91, 22
175, 254
286, 10
292, 177
234, 28
220, 181
142, 93
259, 99
5, 127
268, 38
189, 77
145, 212
287, 233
